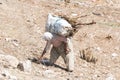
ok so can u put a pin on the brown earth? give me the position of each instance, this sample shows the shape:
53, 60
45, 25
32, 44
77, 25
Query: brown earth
22, 23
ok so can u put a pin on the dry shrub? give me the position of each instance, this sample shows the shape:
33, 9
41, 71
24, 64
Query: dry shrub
89, 54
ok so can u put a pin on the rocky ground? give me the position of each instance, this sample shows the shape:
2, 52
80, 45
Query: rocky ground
22, 23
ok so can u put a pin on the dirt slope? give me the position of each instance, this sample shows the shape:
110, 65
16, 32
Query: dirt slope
22, 24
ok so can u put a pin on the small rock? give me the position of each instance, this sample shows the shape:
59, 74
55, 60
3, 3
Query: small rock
43, 67
110, 77
8, 39
81, 74
116, 48
96, 76
98, 48
1, 56
12, 61
9, 61
74, 14
49, 73
12, 78
25, 66
68, 78
114, 54
5, 73
15, 44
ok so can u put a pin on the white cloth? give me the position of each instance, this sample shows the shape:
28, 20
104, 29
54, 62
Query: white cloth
47, 36
57, 25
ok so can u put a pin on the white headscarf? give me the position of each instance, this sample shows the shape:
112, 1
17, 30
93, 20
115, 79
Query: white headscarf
47, 36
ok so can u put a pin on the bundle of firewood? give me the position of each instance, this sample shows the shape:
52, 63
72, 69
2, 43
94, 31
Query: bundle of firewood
74, 21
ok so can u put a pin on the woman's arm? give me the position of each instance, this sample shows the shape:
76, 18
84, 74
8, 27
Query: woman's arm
47, 47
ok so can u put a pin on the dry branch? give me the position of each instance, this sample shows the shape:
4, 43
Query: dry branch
74, 21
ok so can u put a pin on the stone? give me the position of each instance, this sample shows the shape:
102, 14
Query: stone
12, 78
8, 39
9, 61
110, 77
74, 14
5, 73
25, 66
114, 54
49, 74
13, 61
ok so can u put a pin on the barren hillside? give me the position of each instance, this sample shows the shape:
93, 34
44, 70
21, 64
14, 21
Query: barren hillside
22, 23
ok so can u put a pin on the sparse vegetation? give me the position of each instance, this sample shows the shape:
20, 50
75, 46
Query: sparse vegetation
22, 23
